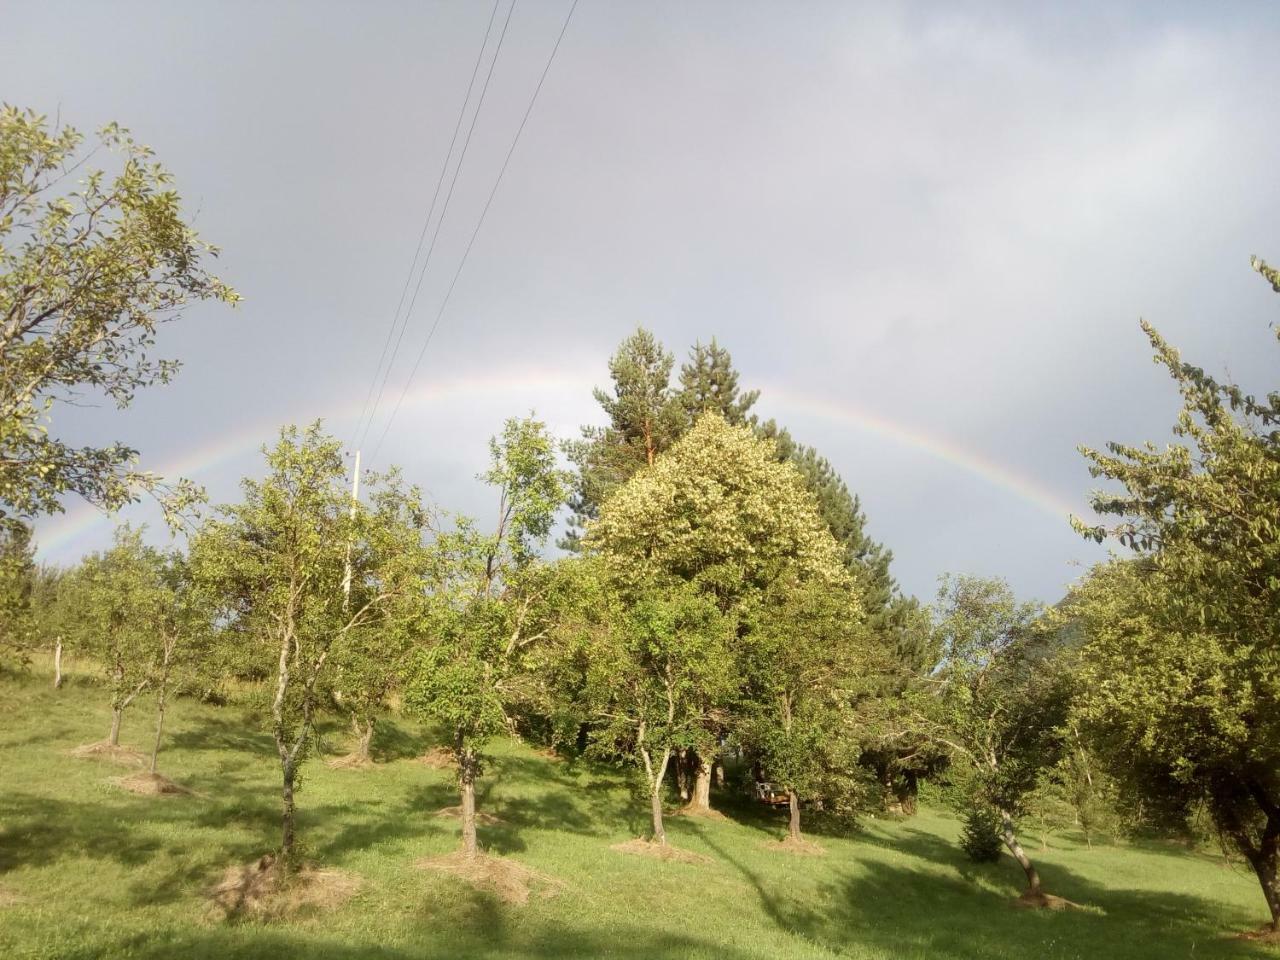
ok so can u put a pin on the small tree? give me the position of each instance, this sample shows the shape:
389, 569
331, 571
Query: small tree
995, 703
808, 668
656, 655
18, 578
370, 662
491, 607
279, 562
112, 605
86, 276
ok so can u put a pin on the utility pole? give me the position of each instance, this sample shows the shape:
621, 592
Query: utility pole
355, 498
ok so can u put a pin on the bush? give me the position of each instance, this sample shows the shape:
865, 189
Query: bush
980, 838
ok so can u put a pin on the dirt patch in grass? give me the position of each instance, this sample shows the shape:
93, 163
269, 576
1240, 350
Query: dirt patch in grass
149, 784
659, 851
705, 813
103, 750
801, 847
509, 881
351, 761
1262, 935
1043, 901
439, 758
481, 816
263, 890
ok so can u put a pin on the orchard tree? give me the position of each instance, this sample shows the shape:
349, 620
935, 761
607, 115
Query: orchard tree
88, 270
809, 667
113, 605
995, 703
17, 584
658, 656
370, 662
1181, 666
280, 562
720, 513
494, 604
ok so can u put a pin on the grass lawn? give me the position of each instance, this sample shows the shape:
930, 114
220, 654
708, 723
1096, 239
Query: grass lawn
90, 871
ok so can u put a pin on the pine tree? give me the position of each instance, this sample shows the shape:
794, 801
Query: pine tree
645, 418
709, 384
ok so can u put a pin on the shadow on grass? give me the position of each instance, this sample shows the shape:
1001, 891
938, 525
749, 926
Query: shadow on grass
475, 929
904, 910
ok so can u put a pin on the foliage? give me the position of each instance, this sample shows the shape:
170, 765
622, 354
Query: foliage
278, 561
113, 607
1180, 684
17, 584
809, 671
86, 277
494, 602
718, 511
645, 417
709, 384
658, 663
997, 702
980, 835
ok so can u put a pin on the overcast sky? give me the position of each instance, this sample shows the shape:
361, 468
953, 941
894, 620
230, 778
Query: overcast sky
925, 231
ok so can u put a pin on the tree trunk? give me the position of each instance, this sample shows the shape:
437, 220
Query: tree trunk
155, 750
57, 665
655, 797
682, 774
287, 818
1265, 867
700, 802
114, 738
467, 788
909, 793
1015, 848
1263, 857
364, 740
793, 802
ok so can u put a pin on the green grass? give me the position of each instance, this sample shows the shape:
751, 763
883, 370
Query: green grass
101, 873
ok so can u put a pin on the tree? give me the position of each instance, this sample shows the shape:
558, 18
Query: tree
86, 277
657, 654
645, 418
17, 584
996, 703
709, 384
493, 605
719, 512
111, 606
808, 666
1179, 676
279, 560
370, 662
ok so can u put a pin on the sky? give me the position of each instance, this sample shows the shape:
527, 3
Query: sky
926, 232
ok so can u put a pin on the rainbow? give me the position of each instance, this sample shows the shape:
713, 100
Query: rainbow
59, 533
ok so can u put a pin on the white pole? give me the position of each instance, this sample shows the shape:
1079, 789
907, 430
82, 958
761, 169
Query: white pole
355, 498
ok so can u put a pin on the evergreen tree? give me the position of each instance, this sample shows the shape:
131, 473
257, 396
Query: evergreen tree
709, 384
645, 418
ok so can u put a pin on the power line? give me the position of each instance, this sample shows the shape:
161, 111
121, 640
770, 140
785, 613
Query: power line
479, 223
444, 167
444, 212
